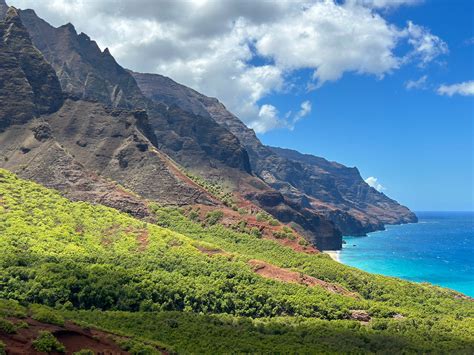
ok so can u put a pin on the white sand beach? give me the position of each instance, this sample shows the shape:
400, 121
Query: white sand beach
334, 254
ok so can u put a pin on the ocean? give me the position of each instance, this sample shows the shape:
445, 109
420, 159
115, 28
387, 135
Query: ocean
438, 249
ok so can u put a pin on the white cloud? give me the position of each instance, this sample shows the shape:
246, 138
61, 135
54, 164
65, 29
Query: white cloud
417, 84
426, 46
332, 40
303, 112
244, 51
465, 89
269, 118
380, 4
373, 182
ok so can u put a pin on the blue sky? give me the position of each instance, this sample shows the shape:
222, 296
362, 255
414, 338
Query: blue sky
418, 144
384, 85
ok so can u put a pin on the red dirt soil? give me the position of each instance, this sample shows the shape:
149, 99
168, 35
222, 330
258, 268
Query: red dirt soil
73, 337
274, 272
232, 217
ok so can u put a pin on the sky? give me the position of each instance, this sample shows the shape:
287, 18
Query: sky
384, 85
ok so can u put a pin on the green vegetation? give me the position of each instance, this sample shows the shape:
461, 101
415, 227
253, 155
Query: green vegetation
2, 348
219, 333
163, 283
242, 211
263, 216
11, 308
285, 233
215, 189
46, 342
84, 352
138, 348
6, 326
45, 315
214, 217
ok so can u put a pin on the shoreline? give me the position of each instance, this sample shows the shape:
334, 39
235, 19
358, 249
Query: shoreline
334, 254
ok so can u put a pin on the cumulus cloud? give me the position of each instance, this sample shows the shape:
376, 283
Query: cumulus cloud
465, 89
333, 40
373, 182
242, 51
417, 84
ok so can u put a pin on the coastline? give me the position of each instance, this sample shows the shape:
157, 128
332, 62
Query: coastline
334, 254
435, 250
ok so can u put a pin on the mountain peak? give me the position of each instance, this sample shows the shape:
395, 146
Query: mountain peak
11, 15
69, 26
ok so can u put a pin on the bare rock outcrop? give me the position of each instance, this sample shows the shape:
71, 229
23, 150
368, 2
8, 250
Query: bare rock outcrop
28, 85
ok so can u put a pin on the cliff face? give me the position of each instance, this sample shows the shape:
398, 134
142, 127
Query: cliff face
86, 72
108, 130
79, 147
335, 185
337, 192
29, 85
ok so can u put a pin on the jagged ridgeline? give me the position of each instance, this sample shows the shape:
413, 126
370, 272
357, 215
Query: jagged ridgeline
190, 287
320, 200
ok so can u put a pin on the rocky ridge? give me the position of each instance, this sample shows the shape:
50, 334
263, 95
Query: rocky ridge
194, 140
80, 147
86, 72
331, 189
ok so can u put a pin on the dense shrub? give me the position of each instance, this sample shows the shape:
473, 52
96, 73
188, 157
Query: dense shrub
214, 217
45, 315
84, 352
138, 348
6, 326
46, 342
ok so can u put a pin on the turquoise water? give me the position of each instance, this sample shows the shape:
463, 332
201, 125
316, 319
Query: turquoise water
439, 249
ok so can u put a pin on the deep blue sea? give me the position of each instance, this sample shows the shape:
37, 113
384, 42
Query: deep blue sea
438, 249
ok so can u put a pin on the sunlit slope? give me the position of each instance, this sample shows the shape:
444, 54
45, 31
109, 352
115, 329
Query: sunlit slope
78, 256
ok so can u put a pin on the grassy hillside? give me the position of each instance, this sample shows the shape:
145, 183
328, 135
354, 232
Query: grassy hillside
196, 288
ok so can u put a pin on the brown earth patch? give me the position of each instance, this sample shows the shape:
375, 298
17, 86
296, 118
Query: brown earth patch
73, 337
210, 251
142, 239
141, 236
232, 218
274, 272
360, 315
173, 167
461, 296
